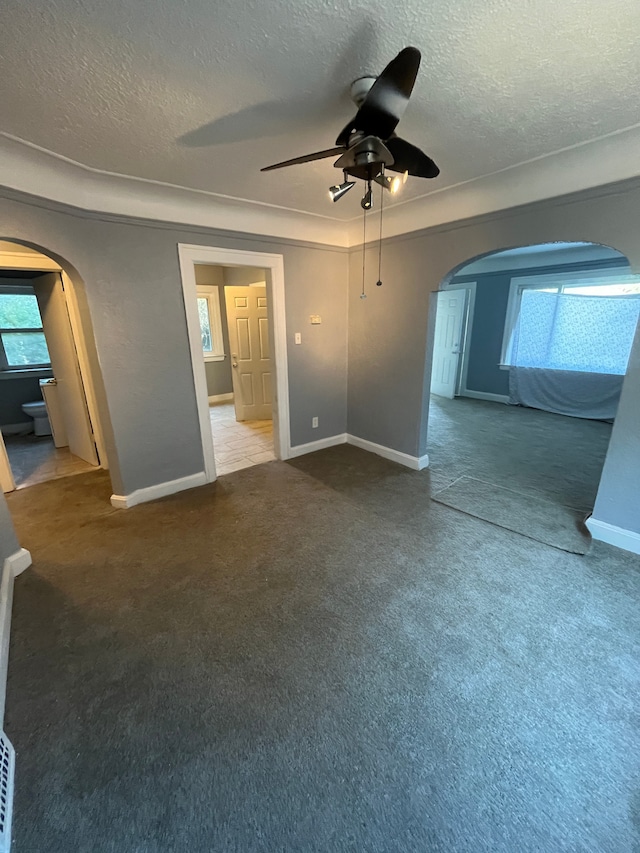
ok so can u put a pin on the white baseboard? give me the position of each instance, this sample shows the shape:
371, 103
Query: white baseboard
416, 463
13, 565
16, 429
484, 395
628, 540
221, 398
18, 562
321, 444
160, 490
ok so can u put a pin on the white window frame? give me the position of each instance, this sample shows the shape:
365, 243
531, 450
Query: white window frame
561, 282
8, 370
211, 292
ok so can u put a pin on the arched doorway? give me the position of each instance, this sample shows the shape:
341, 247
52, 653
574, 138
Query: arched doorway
51, 416
529, 354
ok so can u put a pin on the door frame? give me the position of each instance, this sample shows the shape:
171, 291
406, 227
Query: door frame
189, 255
37, 261
467, 325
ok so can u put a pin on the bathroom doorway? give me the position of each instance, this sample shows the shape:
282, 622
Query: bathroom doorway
256, 392
47, 427
233, 309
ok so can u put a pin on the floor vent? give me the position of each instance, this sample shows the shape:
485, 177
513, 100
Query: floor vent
7, 768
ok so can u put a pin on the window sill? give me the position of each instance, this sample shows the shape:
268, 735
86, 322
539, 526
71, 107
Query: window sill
214, 357
30, 373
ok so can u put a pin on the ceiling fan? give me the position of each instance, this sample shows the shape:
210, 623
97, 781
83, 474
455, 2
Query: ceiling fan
368, 145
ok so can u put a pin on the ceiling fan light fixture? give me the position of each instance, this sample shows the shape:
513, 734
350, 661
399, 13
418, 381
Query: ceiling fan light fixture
367, 199
338, 190
391, 184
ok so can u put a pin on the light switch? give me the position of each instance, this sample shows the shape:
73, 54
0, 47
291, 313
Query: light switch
298, 338
315, 319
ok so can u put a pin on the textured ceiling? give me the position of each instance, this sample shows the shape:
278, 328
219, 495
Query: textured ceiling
202, 94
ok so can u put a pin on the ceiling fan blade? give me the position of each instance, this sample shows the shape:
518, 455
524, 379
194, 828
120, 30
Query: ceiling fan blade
307, 158
408, 158
387, 99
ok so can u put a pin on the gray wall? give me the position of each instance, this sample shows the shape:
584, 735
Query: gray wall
8, 539
388, 341
618, 500
128, 275
243, 276
218, 373
485, 342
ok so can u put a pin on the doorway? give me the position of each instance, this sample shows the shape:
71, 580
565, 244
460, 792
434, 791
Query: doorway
546, 330
48, 413
234, 304
233, 309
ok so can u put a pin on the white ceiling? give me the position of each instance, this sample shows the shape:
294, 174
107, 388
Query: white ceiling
139, 88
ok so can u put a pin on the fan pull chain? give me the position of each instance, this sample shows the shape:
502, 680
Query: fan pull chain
379, 281
363, 295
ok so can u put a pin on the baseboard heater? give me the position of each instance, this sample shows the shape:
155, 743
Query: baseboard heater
7, 773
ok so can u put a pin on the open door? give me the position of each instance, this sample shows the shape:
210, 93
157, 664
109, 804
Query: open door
64, 363
6, 474
250, 352
447, 345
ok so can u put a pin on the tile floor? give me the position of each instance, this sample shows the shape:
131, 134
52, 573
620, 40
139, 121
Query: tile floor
35, 459
239, 444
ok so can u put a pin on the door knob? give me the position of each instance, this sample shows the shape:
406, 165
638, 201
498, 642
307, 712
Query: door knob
235, 364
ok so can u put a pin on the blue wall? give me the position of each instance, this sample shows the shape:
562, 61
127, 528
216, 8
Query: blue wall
15, 392
487, 330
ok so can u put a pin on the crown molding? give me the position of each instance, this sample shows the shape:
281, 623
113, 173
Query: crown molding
606, 160
29, 169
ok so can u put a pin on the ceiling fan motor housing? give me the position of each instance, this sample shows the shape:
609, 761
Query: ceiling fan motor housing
360, 89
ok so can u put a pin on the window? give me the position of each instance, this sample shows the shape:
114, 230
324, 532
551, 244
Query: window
585, 322
22, 342
210, 322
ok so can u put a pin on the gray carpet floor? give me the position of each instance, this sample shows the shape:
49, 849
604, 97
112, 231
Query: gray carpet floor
532, 452
543, 520
314, 656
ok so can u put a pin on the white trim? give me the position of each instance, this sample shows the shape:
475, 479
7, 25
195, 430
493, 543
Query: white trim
189, 255
13, 565
160, 490
220, 398
84, 364
416, 463
585, 166
520, 283
29, 168
16, 429
211, 292
321, 444
18, 562
7, 481
484, 395
28, 261
465, 333
629, 540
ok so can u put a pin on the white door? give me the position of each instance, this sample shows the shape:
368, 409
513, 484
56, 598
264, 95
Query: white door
6, 474
250, 352
64, 363
447, 345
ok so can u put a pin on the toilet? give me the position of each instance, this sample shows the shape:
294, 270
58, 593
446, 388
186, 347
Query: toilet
38, 411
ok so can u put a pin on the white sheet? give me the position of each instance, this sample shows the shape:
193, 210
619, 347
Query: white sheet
566, 392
